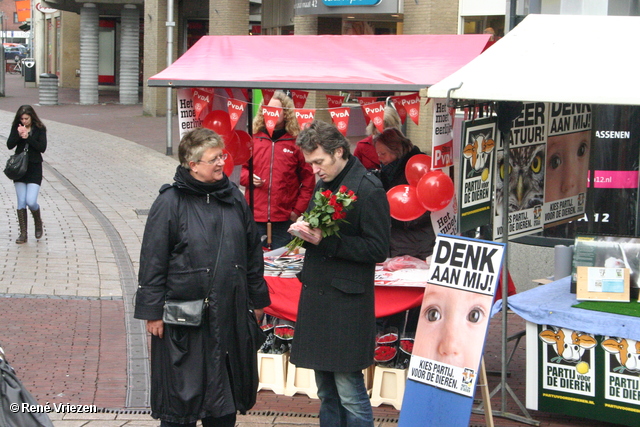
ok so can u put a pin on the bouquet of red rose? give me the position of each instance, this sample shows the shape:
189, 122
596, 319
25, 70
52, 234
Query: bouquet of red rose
329, 212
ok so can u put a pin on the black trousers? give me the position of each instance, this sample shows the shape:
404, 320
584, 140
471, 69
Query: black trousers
224, 421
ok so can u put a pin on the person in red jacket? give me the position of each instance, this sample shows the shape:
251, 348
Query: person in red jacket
365, 151
283, 182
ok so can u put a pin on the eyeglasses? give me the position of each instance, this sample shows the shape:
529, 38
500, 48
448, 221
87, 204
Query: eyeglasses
219, 158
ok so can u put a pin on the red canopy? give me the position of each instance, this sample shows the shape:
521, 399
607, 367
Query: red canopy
325, 62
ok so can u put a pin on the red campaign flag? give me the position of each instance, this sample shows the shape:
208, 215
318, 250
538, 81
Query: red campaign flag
364, 100
236, 108
305, 116
334, 101
340, 116
411, 103
400, 109
375, 111
266, 95
202, 98
271, 116
299, 98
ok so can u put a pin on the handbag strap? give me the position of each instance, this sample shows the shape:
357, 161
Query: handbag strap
215, 268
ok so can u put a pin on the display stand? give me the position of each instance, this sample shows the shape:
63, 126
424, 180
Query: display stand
272, 372
301, 380
388, 386
507, 123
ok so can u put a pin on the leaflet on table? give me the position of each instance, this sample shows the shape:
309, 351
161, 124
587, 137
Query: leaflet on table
607, 251
410, 277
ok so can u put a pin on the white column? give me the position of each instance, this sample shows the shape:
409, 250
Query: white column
89, 54
129, 54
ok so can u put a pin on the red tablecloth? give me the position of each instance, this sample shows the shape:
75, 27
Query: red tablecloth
390, 300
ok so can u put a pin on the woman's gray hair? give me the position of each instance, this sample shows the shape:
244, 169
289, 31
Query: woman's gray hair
195, 142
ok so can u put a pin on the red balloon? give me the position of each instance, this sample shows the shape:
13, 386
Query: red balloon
417, 167
245, 147
435, 190
228, 164
218, 121
404, 204
231, 143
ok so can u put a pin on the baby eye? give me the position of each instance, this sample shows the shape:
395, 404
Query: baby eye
555, 161
432, 315
475, 315
582, 149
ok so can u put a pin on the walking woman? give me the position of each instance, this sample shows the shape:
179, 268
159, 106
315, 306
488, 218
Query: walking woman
28, 133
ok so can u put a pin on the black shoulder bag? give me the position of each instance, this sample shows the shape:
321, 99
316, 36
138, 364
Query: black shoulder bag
17, 164
190, 313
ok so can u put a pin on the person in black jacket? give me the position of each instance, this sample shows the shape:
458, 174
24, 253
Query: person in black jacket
200, 241
28, 133
415, 238
335, 327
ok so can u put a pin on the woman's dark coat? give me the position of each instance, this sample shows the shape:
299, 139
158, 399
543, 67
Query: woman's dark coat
190, 379
335, 327
37, 141
415, 238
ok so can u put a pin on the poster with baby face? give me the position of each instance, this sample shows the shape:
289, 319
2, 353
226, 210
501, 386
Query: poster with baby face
567, 162
455, 312
452, 326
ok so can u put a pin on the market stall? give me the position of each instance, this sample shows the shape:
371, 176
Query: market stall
389, 300
569, 60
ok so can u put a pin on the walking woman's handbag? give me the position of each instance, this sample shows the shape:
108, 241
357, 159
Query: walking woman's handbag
190, 313
17, 165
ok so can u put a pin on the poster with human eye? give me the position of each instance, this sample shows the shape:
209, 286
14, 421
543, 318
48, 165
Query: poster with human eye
452, 326
526, 172
567, 162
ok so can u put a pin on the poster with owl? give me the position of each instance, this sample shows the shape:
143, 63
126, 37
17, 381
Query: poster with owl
477, 167
526, 172
567, 162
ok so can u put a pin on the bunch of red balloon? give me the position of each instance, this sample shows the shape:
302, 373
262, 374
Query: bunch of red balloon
427, 190
238, 143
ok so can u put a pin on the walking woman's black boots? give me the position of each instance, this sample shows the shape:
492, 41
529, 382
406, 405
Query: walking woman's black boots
37, 221
22, 222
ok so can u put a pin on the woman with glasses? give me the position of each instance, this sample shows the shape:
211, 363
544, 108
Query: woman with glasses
200, 241
28, 133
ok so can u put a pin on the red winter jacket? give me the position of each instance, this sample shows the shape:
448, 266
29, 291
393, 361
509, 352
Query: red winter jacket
289, 180
366, 153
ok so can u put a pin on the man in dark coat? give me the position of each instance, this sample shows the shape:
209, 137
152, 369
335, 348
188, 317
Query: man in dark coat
335, 328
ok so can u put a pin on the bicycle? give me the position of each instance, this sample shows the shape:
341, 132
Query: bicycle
16, 68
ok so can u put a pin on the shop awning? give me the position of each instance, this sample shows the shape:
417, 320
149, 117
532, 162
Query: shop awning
555, 58
325, 62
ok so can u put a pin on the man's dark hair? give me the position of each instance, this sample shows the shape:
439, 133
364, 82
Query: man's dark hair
322, 134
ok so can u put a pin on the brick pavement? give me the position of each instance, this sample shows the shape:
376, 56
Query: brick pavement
66, 300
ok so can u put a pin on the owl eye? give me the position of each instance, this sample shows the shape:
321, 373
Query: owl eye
582, 150
536, 164
502, 171
555, 161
